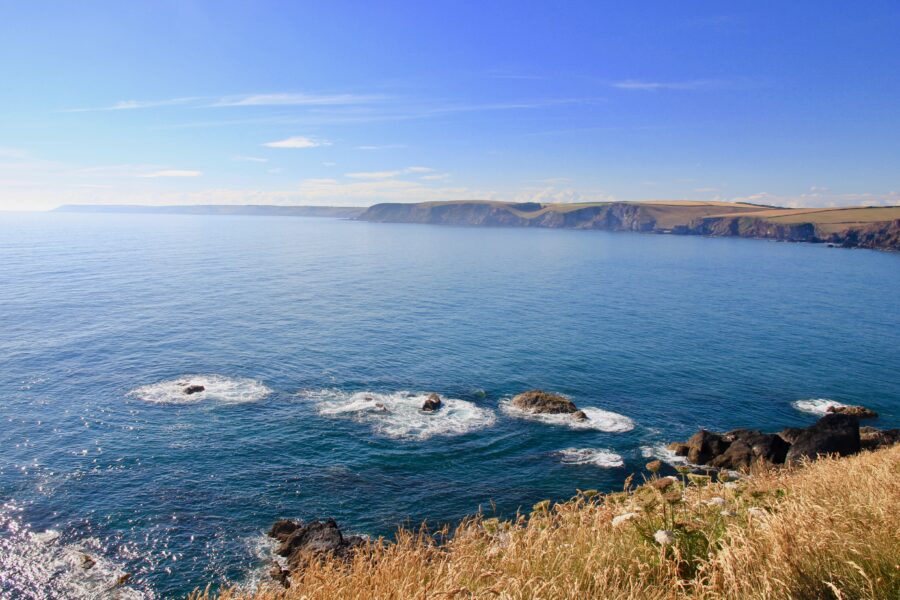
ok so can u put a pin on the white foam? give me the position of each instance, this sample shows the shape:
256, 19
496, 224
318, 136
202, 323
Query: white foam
591, 456
218, 388
37, 565
662, 453
816, 406
399, 415
598, 419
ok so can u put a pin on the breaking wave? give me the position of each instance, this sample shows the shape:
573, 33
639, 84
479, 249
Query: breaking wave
226, 390
816, 406
39, 565
399, 415
598, 419
590, 456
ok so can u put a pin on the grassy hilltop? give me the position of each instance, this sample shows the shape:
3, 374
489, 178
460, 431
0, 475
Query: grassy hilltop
867, 227
830, 529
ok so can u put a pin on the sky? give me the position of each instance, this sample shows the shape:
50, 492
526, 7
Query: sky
354, 103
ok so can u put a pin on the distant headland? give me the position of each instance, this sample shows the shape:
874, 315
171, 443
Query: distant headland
875, 227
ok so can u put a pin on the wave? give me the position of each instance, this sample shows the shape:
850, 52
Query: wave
399, 415
664, 454
598, 419
225, 390
590, 456
38, 565
816, 406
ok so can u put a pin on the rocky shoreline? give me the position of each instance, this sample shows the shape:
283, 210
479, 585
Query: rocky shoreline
836, 433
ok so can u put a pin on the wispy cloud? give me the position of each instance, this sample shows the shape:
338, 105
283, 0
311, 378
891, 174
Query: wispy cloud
381, 147
655, 86
137, 104
255, 159
289, 99
297, 141
172, 173
389, 174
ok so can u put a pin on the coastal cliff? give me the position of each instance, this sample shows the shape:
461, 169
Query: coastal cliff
867, 227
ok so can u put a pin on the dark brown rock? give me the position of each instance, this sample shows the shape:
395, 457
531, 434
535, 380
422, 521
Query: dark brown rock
871, 438
749, 446
281, 575
193, 389
860, 412
789, 434
539, 401
314, 539
679, 449
433, 402
832, 434
579, 415
706, 445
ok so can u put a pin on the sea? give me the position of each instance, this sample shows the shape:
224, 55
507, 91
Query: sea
316, 341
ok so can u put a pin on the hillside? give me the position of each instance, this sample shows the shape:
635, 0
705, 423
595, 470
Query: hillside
824, 530
866, 227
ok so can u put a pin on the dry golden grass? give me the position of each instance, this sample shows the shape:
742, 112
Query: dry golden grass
827, 530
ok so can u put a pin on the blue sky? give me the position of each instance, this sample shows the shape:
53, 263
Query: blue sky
352, 103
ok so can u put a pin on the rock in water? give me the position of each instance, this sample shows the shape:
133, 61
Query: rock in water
433, 402
193, 389
299, 541
832, 434
539, 401
678, 448
579, 415
860, 412
749, 446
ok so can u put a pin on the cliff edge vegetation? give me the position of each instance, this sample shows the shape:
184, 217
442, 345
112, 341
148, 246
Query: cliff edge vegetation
827, 529
864, 227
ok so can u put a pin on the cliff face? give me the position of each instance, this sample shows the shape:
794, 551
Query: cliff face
679, 219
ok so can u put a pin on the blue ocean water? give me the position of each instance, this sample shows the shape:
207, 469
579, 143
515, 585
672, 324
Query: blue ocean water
298, 327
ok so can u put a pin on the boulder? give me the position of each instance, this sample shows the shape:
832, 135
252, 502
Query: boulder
281, 575
433, 402
678, 448
706, 445
871, 438
193, 389
834, 433
789, 434
539, 401
300, 541
748, 447
579, 415
860, 412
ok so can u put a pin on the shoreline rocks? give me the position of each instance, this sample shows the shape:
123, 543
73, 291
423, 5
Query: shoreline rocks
432, 403
194, 388
838, 432
298, 542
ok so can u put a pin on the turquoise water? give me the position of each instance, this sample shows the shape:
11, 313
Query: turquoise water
292, 322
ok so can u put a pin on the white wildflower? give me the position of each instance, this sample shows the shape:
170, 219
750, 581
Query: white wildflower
664, 537
623, 518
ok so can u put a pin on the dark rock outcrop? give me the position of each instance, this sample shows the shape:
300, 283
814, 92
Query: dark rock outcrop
432, 403
860, 412
193, 389
300, 542
580, 415
705, 445
871, 438
789, 434
541, 402
747, 447
679, 449
832, 434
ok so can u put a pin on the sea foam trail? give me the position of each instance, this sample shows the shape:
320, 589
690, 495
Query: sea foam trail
399, 415
816, 406
591, 456
218, 388
598, 419
662, 453
39, 566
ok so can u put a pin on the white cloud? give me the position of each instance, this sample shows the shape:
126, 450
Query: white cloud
374, 174
136, 104
435, 177
297, 141
419, 169
382, 147
653, 86
173, 173
289, 99
250, 159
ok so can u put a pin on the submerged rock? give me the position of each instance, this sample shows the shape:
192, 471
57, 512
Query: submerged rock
193, 389
860, 412
433, 402
539, 401
832, 434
